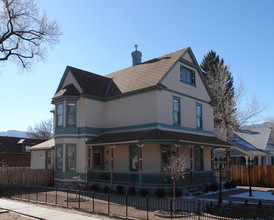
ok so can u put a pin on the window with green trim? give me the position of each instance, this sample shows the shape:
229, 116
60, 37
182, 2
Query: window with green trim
134, 158
198, 158
199, 116
187, 76
176, 111
59, 158
71, 114
59, 115
48, 159
71, 157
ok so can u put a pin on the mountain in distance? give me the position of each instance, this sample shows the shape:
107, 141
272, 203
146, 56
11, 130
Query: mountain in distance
14, 133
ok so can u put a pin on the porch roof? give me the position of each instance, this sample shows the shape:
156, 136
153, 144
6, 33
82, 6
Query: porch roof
155, 136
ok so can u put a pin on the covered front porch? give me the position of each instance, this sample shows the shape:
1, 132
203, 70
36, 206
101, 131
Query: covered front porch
138, 158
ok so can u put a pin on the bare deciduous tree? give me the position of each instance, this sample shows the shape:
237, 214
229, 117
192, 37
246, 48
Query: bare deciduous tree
24, 33
41, 131
224, 111
252, 109
176, 167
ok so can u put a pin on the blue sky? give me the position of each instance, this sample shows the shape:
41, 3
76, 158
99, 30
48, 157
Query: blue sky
99, 36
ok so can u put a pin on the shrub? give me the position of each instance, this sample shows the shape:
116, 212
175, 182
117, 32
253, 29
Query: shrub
143, 192
261, 183
233, 183
132, 191
94, 187
238, 182
160, 193
106, 189
227, 185
205, 188
178, 192
214, 187
120, 189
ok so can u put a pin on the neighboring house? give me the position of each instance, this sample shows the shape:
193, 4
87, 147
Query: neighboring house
15, 152
42, 155
255, 143
123, 127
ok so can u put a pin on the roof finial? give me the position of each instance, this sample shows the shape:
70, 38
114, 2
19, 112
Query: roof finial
136, 46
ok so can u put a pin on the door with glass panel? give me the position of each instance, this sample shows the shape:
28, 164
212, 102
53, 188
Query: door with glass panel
98, 159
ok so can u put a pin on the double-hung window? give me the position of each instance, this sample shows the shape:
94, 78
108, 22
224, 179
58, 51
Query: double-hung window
71, 157
176, 111
71, 114
188, 76
59, 158
199, 116
59, 115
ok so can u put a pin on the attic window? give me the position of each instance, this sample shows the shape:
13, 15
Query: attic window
187, 76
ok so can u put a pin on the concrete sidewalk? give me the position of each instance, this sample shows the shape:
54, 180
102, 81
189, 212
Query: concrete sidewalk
39, 212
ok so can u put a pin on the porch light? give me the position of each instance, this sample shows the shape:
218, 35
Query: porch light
220, 163
250, 165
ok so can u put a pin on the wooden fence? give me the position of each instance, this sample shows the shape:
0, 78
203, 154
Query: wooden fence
26, 176
259, 175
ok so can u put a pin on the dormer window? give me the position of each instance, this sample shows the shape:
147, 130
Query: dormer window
188, 76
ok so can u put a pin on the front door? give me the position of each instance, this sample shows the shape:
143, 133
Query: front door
98, 159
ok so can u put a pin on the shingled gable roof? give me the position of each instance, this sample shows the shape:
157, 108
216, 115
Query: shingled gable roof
144, 75
91, 84
155, 135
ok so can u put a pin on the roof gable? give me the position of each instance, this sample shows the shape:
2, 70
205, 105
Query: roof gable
90, 84
146, 74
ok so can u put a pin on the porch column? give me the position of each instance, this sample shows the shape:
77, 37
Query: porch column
140, 146
246, 160
191, 156
212, 157
89, 150
228, 156
111, 158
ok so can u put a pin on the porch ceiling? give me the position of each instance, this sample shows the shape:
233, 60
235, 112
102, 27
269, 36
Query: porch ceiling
155, 136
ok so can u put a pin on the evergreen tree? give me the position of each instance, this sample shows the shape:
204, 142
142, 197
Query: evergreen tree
220, 81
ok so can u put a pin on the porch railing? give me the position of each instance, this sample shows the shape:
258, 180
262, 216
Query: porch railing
155, 179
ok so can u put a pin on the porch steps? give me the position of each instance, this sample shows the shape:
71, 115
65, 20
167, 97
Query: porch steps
194, 190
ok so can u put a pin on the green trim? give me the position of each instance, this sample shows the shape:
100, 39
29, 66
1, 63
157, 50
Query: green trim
56, 115
189, 70
75, 137
66, 132
75, 157
173, 111
75, 114
55, 158
201, 121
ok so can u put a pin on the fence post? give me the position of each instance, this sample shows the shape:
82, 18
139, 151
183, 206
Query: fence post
46, 196
147, 204
126, 206
36, 193
28, 193
108, 203
55, 195
93, 200
171, 203
79, 194
67, 196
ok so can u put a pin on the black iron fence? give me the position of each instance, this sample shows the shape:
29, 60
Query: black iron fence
136, 207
